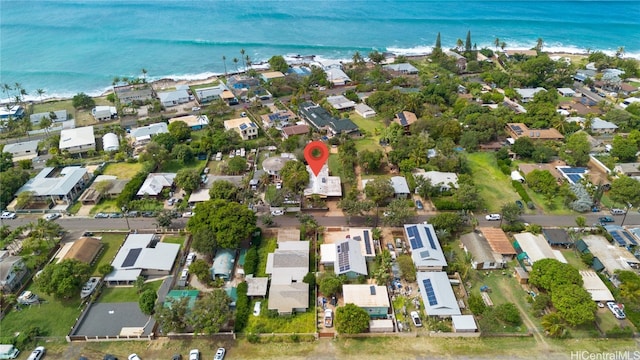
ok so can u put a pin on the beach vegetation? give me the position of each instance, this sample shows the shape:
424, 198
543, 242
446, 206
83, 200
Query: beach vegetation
278, 63
83, 101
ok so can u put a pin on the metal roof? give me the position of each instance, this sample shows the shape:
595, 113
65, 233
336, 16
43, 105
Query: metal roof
59, 185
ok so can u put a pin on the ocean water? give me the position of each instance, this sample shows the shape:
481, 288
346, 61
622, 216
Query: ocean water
65, 47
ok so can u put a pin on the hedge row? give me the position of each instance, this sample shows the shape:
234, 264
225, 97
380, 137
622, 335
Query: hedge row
242, 307
520, 190
447, 204
131, 188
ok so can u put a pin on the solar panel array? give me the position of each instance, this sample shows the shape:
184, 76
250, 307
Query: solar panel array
575, 178
574, 170
432, 242
431, 294
403, 119
414, 237
367, 244
131, 257
630, 238
343, 257
517, 129
618, 238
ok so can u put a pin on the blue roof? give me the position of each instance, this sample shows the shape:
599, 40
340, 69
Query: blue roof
223, 263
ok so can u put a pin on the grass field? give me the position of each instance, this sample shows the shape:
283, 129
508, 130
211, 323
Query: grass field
370, 127
122, 170
266, 246
574, 260
175, 165
110, 245
495, 187
297, 323
557, 206
174, 240
54, 317
105, 205
126, 294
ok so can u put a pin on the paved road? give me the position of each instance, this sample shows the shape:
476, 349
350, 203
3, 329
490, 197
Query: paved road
82, 223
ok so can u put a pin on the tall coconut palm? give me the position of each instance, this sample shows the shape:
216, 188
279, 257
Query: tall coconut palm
459, 44
40, 92
503, 45
496, 42
357, 58
235, 62
242, 57
539, 44
620, 52
247, 61
144, 75
224, 62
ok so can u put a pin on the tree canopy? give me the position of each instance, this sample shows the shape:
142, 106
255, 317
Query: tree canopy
211, 312
548, 274
574, 304
83, 101
179, 130
625, 190
379, 191
188, 180
278, 63
64, 279
223, 190
294, 175
218, 223
351, 319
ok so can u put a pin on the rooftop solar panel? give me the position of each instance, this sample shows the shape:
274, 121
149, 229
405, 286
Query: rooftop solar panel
367, 245
616, 236
131, 258
403, 120
630, 238
431, 294
431, 240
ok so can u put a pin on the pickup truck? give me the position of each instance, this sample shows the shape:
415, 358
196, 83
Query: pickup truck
328, 318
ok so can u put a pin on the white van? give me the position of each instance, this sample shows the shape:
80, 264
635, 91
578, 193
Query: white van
617, 212
8, 352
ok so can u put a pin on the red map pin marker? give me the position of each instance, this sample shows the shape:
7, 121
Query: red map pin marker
316, 153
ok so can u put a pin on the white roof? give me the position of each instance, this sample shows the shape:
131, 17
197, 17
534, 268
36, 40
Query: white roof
155, 182
613, 257
257, 286
21, 147
425, 247
566, 90
173, 95
537, 247
323, 184
42, 185
4, 112
364, 109
599, 124
464, 322
81, 136
336, 75
595, 286
135, 255
288, 263
515, 175
528, 92
152, 129
192, 120
340, 102
61, 115
365, 295
400, 185
404, 67
437, 294
110, 142
285, 298
327, 253
439, 178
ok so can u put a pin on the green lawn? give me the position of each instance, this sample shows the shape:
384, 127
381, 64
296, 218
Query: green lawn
574, 260
557, 207
174, 240
266, 246
371, 128
174, 165
126, 294
495, 187
122, 170
110, 245
54, 317
297, 323
105, 205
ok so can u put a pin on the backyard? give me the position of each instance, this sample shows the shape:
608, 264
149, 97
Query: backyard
173, 166
495, 187
370, 128
172, 239
126, 294
82, 117
123, 170
110, 246
266, 323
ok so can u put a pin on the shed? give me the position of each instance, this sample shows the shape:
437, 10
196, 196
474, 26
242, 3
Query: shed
110, 142
381, 326
582, 246
463, 323
522, 275
516, 176
557, 237
257, 286
223, 264
84, 249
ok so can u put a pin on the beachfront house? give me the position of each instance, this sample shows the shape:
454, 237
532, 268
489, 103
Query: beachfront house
104, 113
55, 116
14, 112
173, 98
402, 69
127, 94
336, 76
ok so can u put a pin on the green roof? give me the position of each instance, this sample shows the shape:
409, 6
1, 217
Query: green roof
179, 294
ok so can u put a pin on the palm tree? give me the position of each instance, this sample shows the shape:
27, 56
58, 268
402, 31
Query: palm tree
45, 123
247, 61
553, 324
496, 42
116, 80
503, 45
242, 57
224, 62
620, 52
144, 75
40, 92
539, 44
235, 61
459, 44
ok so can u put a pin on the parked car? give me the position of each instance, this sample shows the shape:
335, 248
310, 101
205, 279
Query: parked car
8, 215
256, 308
87, 233
187, 214
148, 214
416, 319
279, 185
277, 212
176, 357
419, 205
219, 354
605, 219
493, 217
101, 216
132, 214
51, 217
195, 108
109, 357
520, 204
37, 354
172, 201
618, 212
190, 259
134, 357
194, 354
116, 215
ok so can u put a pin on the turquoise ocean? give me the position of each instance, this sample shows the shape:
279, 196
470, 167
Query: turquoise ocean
65, 47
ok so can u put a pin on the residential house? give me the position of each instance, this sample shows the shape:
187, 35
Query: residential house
273, 164
405, 119
566, 92
482, 256
517, 130
57, 185
58, 116
364, 110
402, 68
595, 286
270, 75
173, 98
336, 76
244, 126
299, 71
202, 194
437, 295
461, 61
426, 251
464, 323
92, 196
78, 140
323, 185
257, 286
104, 112
142, 135
85, 249
278, 118
127, 94
220, 91
627, 89
557, 237
223, 264
446, 181
526, 95
628, 101
287, 266
321, 120
584, 74
341, 103
142, 255
611, 256
241, 81
14, 112
537, 248
349, 260
22, 150
628, 169
372, 298
499, 242
600, 126
12, 271
194, 122
399, 184
155, 183
302, 129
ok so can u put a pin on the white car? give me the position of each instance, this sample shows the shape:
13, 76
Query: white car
195, 108
256, 308
52, 216
194, 354
190, 259
416, 319
188, 214
37, 354
134, 357
8, 215
493, 217
219, 354
277, 212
